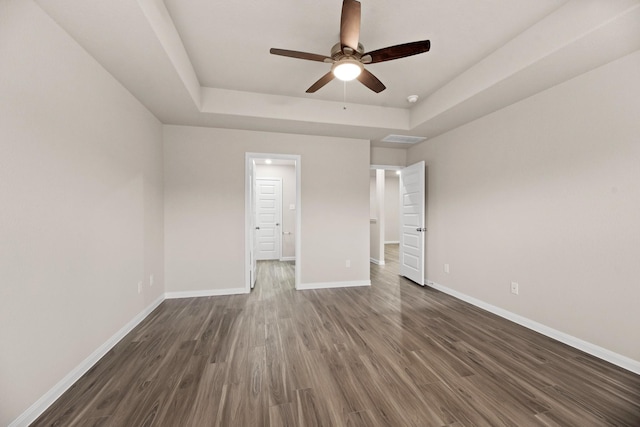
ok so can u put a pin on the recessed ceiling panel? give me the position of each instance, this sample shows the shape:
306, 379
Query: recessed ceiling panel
229, 42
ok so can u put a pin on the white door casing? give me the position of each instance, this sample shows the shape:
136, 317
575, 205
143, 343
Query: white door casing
268, 218
412, 231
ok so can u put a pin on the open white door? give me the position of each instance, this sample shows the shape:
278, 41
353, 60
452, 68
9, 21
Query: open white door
253, 244
412, 229
251, 223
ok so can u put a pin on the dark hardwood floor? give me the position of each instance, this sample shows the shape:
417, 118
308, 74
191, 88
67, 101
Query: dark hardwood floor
394, 354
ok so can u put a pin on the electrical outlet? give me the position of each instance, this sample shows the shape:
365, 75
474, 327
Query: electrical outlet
348, 263
514, 288
446, 268
139, 287
151, 280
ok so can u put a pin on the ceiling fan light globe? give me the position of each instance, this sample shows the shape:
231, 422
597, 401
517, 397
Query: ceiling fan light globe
347, 69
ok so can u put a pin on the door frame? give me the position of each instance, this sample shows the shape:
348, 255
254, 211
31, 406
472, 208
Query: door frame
381, 220
248, 221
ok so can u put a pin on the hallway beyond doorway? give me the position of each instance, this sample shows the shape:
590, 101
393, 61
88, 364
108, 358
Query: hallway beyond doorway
274, 277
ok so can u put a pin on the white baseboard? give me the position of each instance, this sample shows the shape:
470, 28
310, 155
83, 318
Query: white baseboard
392, 242
592, 349
35, 410
206, 293
376, 261
329, 285
288, 258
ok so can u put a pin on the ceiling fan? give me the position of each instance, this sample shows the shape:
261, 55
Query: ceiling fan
348, 56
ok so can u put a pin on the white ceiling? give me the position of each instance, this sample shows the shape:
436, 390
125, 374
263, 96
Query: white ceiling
207, 63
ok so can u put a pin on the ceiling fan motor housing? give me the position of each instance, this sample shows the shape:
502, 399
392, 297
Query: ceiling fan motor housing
337, 53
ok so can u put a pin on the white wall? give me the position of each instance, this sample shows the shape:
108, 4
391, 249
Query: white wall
388, 198
377, 214
546, 193
374, 232
204, 205
391, 207
288, 175
81, 206
387, 157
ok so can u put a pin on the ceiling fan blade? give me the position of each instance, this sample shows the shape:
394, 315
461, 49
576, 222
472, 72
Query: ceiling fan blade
323, 81
350, 24
371, 81
300, 55
399, 51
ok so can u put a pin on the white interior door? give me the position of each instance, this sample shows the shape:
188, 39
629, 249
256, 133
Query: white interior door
253, 244
412, 231
268, 218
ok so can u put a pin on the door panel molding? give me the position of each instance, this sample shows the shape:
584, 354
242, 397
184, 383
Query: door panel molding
412, 207
268, 218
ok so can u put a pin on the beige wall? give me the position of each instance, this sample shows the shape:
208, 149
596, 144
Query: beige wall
205, 205
288, 175
546, 193
81, 206
388, 156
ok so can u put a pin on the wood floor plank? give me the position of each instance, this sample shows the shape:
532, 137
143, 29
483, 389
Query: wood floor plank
283, 415
393, 354
156, 390
176, 410
208, 396
361, 419
310, 414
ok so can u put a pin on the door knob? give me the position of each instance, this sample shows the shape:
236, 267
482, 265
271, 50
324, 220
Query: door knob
277, 224
257, 228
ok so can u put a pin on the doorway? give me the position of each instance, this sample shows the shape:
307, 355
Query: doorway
384, 218
272, 221
399, 233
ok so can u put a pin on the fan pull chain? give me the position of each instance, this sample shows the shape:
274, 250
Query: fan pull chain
344, 94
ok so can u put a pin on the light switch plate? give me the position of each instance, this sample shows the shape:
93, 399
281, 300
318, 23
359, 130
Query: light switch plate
514, 288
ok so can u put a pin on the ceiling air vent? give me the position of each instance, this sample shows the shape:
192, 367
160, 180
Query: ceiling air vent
403, 139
